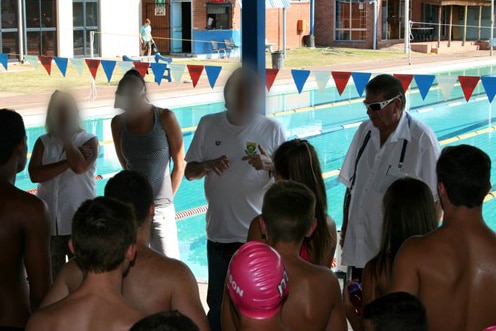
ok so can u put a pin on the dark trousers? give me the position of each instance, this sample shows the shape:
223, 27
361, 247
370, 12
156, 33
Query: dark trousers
219, 255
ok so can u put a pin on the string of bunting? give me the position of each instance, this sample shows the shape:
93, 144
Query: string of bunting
174, 72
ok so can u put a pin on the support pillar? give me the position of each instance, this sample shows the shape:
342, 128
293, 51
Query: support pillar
450, 26
439, 18
479, 30
465, 26
253, 38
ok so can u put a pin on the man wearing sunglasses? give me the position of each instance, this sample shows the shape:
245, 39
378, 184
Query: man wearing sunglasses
391, 145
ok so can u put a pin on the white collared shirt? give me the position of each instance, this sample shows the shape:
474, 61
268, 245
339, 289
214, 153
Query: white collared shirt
363, 235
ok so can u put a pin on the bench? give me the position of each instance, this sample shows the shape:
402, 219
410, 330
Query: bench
218, 49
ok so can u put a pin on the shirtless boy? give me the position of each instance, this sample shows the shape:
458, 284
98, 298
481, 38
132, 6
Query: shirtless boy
24, 232
103, 242
453, 269
256, 287
168, 283
314, 302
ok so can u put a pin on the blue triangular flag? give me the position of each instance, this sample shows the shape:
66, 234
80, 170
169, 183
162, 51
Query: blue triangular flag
4, 60
360, 79
212, 74
424, 83
108, 67
489, 83
300, 78
158, 70
61, 63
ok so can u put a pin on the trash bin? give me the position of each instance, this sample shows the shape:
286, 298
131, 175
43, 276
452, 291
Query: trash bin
309, 41
277, 60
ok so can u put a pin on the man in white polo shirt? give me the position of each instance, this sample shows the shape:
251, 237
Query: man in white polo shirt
389, 146
232, 150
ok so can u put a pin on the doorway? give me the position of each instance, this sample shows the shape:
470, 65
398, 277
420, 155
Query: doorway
181, 27
392, 19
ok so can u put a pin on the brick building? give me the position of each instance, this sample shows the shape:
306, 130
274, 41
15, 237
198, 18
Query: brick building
350, 23
188, 26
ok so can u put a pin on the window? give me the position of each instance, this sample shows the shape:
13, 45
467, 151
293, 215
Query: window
85, 20
41, 27
8, 28
350, 20
219, 16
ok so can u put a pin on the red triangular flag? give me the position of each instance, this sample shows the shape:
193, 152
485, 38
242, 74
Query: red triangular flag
93, 66
270, 77
46, 61
405, 79
341, 79
195, 72
468, 84
142, 68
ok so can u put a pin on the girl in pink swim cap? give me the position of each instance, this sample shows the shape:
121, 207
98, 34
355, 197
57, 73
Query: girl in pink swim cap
257, 285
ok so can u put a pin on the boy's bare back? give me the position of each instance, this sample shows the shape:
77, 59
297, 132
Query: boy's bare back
453, 272
314, 302
82, 311
24, 243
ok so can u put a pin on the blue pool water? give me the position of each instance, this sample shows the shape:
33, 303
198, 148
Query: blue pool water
448, 119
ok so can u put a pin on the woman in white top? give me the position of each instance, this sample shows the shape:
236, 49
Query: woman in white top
63, 163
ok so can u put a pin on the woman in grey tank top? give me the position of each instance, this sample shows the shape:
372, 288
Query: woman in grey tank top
146, 138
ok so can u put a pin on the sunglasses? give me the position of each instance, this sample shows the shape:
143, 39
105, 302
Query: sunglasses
376, 106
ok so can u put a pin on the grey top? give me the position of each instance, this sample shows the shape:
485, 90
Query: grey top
149, 154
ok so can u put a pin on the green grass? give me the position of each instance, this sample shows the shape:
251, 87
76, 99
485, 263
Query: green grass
23, 79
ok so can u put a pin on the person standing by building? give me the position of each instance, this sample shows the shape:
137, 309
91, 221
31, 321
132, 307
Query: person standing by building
146, 38
64, 165
392, 144
146, 138
232, 150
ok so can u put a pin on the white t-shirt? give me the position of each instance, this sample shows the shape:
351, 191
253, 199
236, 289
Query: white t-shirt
363, 235
235, 197
65, 193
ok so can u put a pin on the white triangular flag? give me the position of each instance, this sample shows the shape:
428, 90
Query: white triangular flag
322, 78
32, 60
446, 84
78, 65
177, 72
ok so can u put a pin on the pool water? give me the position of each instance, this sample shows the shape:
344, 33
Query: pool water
330, 128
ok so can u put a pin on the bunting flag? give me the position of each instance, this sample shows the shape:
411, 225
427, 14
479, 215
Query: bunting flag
300, 78
489, 83
213, 73
361, 79
158, 70
46, 61
4, 60
93, 66
142, 68
322, 79
108, 67
424, 83
341, 79
125, 66
195, 72
406, 80
61, 63
468, 84
270, 77
177, 72
446, 84
32, 60
78, 65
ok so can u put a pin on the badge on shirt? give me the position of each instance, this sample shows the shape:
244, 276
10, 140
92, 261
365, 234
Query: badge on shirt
251, 148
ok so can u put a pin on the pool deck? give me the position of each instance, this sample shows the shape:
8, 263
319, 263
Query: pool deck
35, 104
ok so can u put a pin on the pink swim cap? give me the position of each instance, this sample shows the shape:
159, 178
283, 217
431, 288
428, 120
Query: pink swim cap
491, 328
257, 280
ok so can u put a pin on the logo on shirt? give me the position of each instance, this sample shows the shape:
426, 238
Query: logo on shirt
218, 142
251, 148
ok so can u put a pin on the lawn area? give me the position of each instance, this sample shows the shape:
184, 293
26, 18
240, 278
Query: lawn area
24, 79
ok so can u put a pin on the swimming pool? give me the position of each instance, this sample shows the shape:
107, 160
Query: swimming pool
329, 126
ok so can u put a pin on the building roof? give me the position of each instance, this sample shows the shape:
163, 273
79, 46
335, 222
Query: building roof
272, 3
459, 2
